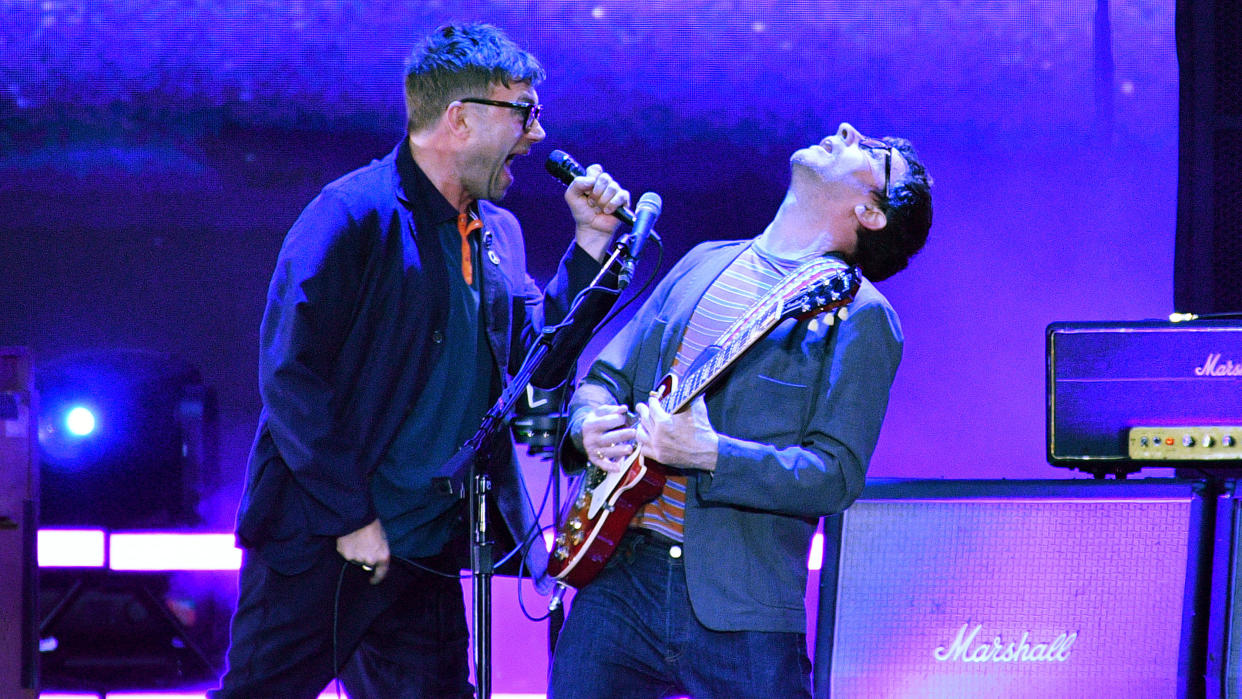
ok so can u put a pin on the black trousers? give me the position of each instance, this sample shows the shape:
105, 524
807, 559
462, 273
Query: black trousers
291, 634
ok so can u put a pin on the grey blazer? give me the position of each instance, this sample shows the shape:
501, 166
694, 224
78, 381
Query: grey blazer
798, 415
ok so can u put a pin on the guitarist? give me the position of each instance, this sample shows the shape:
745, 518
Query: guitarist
704, 595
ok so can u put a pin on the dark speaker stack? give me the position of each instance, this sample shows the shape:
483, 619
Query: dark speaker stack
1208, 273
19, 491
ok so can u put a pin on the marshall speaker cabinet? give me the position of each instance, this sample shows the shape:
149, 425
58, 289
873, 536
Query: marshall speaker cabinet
1122, 396
1061, 588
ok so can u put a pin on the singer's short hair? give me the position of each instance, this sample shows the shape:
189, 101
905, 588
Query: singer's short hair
908, 207
461, 60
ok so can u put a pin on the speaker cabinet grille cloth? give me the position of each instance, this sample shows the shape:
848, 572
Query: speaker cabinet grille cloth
1021, 595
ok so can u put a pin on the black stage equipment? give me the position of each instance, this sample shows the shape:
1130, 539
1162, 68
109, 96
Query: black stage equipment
1207, 273
1122, 396
19, 494
149, 449
127, 440
1227, 595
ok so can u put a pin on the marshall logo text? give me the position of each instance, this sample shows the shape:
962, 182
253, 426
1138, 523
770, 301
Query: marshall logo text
1213, 367
964, 649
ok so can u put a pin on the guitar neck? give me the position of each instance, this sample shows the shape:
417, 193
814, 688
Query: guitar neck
731, 345
834, 284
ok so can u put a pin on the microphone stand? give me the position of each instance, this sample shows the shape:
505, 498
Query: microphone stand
463, 478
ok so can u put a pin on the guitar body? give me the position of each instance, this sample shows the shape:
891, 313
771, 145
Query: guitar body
585, 543
598, 516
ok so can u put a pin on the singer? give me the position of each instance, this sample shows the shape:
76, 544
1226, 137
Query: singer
400, 297
704, 595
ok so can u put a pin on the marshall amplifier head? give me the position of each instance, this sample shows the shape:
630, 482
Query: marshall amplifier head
1122, 396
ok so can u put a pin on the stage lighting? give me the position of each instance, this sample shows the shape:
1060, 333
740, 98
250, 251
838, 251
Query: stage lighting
124, 440
80, 421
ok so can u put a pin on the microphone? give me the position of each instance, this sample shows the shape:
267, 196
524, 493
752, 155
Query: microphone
569, 338
566, 341
563, 167
645, 215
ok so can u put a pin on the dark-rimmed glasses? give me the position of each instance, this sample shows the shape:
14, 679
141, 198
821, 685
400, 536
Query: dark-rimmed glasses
530, 110
874, 144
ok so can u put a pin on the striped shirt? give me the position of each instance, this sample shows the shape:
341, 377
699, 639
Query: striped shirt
742, 283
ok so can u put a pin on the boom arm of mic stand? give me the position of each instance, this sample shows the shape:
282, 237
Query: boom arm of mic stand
563, 343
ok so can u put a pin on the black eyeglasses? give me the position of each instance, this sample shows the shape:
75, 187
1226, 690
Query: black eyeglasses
530, 110
874, 144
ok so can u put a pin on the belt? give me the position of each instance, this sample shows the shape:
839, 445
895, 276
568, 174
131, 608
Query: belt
650, 537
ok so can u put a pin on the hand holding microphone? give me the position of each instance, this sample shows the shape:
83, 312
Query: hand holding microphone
563, 167
566, 341
593, 197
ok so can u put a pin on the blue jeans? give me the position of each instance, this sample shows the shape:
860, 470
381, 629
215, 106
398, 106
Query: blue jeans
405, 637
632, 633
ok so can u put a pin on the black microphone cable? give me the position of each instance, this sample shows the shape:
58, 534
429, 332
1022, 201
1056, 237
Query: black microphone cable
336, 610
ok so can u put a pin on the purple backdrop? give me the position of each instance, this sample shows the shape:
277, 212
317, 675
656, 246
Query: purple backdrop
152, 155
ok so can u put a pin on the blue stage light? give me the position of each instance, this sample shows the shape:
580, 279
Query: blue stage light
124, 440
80, 421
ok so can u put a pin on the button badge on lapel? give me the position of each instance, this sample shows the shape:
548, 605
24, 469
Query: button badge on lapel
487, 243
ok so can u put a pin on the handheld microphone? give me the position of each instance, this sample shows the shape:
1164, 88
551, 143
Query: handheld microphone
565, 342
563, 167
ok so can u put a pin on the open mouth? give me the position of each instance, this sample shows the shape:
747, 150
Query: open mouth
508, 163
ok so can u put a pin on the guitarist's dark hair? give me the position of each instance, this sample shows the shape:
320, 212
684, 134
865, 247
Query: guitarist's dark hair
908, 207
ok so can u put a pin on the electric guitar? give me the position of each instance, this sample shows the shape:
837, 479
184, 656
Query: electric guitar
594, 521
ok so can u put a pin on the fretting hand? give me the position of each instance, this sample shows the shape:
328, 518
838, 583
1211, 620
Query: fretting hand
682, 440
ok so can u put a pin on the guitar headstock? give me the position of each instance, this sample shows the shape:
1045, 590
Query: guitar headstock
824, 285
